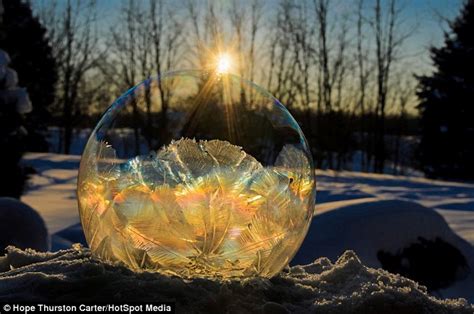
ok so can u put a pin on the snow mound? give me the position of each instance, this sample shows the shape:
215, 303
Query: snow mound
369, 225
347, 286
21, 225
375, 228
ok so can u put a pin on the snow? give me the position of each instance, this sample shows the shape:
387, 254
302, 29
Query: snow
359, 211
11, 93
347, 286
21, 226
52, 191
4, 57
369, 226
453, 200
78, 140
10, 79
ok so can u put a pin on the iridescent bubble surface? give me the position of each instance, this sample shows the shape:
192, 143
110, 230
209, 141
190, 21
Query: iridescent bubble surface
197, 174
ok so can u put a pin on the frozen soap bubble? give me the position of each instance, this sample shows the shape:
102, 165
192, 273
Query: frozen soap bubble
197, 174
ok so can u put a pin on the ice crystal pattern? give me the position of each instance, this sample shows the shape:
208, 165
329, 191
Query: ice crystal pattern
196, 208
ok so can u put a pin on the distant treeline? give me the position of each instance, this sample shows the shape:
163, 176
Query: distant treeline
337, 140
411, 125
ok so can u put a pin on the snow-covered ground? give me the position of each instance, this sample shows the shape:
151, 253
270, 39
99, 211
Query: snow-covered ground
346, 286
454, 201
365, 212
52, 191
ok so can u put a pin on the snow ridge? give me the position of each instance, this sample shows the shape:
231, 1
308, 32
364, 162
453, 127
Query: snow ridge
347, 286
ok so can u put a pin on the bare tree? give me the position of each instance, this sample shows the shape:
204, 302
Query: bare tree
166, 40
388, 39
324, 79
198, 37
125, 39
207, 37
245, 25
403, 94
363, 71
340, 64
331, 74
283, 68
145, 44
73, 32
237, 16
256, 12
304, 51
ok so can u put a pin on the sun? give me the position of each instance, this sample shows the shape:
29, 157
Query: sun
224, 63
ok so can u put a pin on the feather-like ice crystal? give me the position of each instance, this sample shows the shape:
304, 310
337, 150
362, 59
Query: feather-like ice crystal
202, 207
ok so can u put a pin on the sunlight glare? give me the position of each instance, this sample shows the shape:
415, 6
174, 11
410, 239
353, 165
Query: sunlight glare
223, 63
